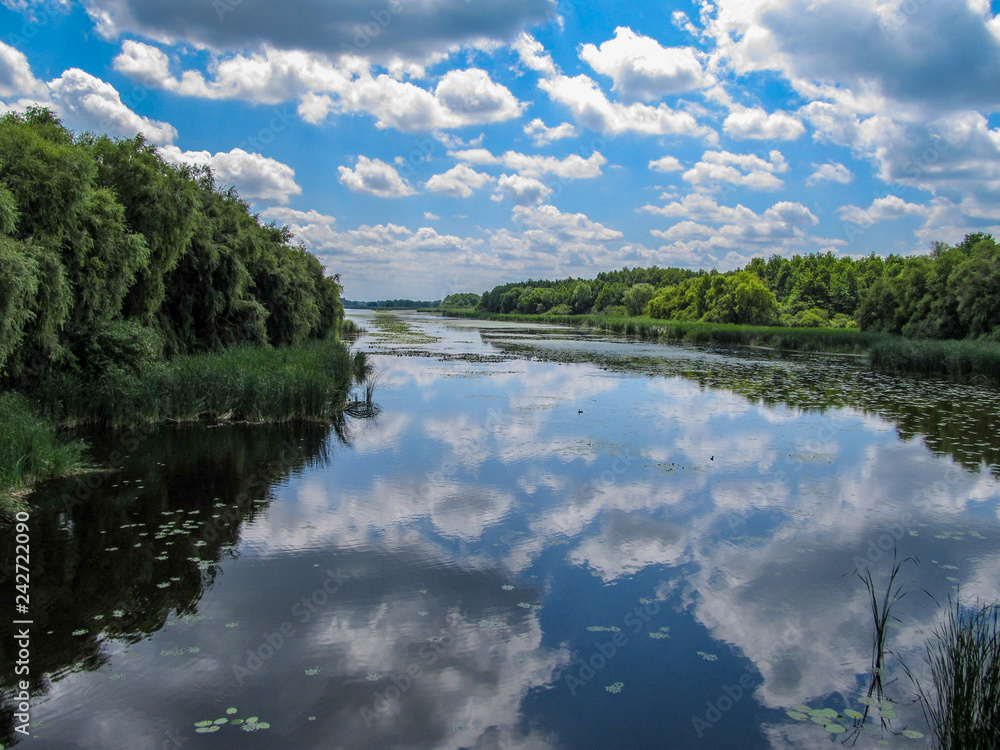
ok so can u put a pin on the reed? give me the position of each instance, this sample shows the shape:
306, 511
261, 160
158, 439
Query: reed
31, 449
965, 361
963, 706
306, 382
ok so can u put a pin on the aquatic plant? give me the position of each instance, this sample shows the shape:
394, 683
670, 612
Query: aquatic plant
963, 705
962, 361
881, 608
31, 449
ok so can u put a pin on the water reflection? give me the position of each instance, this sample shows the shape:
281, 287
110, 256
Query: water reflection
518, 504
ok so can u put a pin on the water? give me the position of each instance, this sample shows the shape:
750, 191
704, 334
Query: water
546, 539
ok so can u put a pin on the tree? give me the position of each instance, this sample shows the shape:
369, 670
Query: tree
637, 298
582, 298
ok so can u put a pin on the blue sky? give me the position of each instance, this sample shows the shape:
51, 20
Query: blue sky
424, 147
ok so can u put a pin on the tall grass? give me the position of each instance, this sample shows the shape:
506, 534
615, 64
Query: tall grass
963, 707
31, 449
306, 382
963, 361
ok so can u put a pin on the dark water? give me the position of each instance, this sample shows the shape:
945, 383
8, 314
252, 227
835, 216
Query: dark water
545, 540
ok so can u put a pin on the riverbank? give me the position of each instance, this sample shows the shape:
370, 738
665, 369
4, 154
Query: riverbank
308, 382
960, 361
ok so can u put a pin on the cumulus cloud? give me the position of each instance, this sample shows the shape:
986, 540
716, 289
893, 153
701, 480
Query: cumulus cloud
882, 209
573, 166
88, 103
644, 70
384, 31
944, 56
460, 98
666, 164
253, 175
571, 226
524, 191
533, 55
746, 170
542, 135
375, 177
727, 236
757, 124
460, 181
594, 110
16, 78
830, 172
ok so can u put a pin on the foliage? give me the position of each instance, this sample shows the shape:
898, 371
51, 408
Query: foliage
952, 293
116, 267
461, 301
111, 258
399, 304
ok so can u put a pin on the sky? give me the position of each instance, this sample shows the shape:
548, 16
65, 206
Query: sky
425, 147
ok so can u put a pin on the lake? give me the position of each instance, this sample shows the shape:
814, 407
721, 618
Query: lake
546, 538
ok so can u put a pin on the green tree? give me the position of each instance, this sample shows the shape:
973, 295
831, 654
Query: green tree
637, 298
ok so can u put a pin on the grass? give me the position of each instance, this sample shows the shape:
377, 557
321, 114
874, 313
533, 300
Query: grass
306, 382
30, 451
963, 708
962, 361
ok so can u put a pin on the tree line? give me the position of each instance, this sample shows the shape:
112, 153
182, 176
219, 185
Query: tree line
952, 293
111, 258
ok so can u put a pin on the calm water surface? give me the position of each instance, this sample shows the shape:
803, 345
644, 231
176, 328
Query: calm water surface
546, 539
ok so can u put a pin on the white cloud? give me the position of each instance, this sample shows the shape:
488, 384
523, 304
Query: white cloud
882, 209
16, 78
88, 103
292, 216
830, 172
533, 55
571, 226
728, 236
471, 97
431, 217
460, 181
757, 124
594, 110
543, 135
460, 98
746, 170
573, 166
375, 177
642, 69
666, 164
254, 176
524, 191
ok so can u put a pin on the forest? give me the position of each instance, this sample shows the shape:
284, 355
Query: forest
952, 293
126, 283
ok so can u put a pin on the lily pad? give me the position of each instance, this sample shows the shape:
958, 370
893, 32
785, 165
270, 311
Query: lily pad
834, 728
912, 734
797, 716
801, 708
